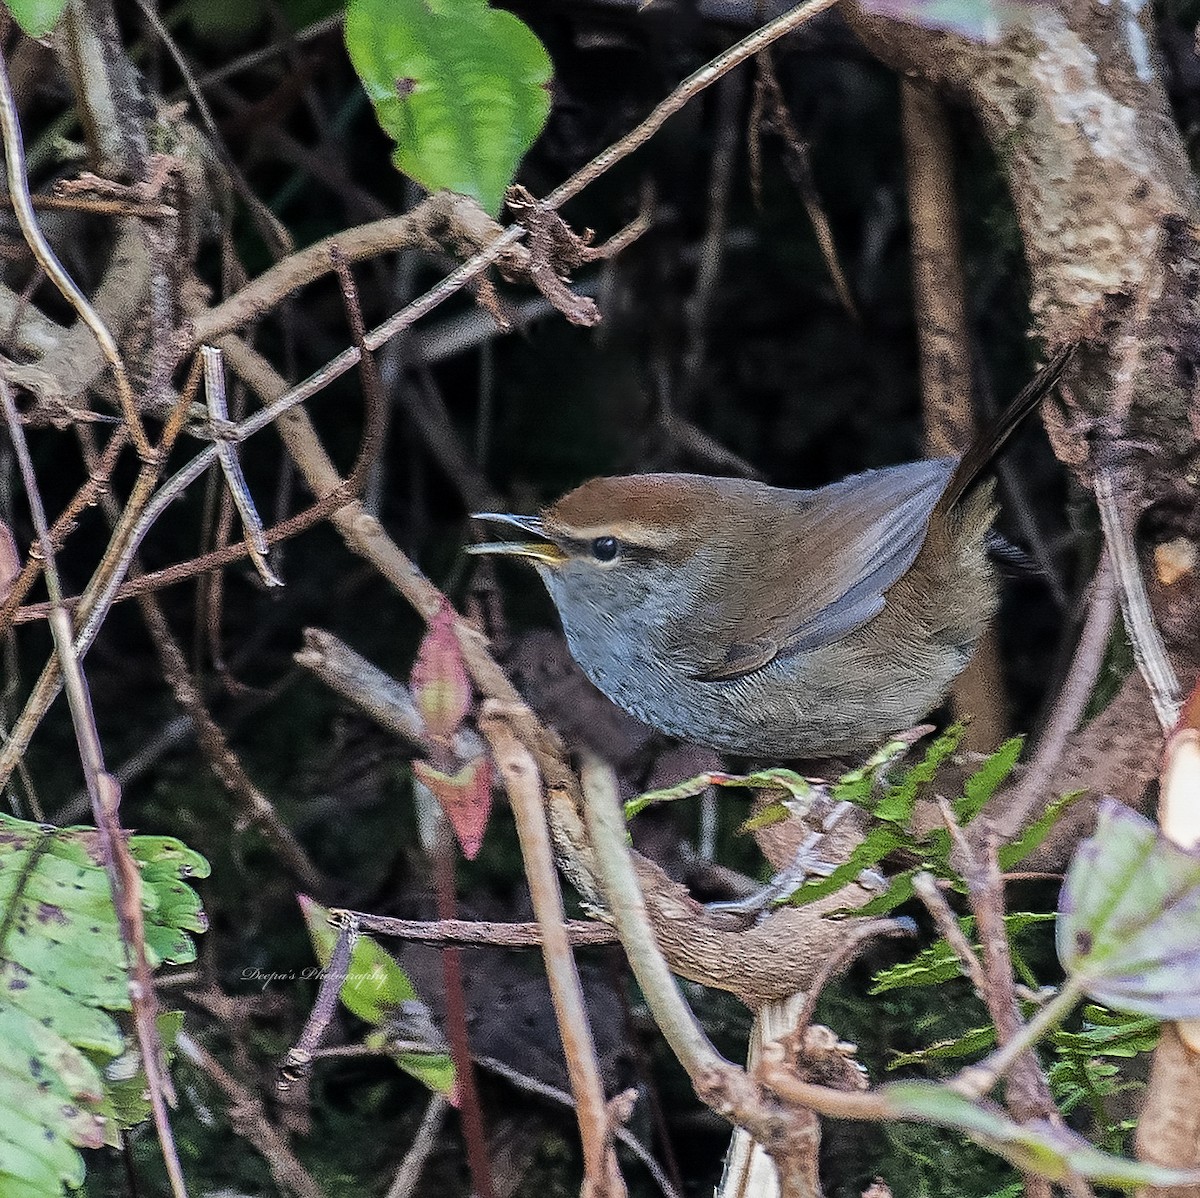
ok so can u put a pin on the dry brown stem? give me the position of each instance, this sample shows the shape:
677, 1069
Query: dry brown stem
248, 1118
602, 1177
946, 382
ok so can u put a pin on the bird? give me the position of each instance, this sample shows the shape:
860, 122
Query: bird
768, 622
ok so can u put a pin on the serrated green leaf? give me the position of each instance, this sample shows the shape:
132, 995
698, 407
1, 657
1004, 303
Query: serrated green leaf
168, 856
876, 845
939, 963
930, 967
46, 1170
46, 1056
1016, 851
14, 1187
126, 1094
899, 891
1129, 918
37, 18
971, 1043
50, 1111
62, 968
88, 1026
983, 783
460, 87
858, 785
799, 790
897, 805
1109, 1033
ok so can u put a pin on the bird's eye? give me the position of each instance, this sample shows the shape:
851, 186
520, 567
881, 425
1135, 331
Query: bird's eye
604, 549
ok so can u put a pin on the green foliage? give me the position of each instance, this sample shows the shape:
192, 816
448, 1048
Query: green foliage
1083, 1073
1126, 934
36, 17
1082, 1069
893, 813
460, 87
937, 963
1128, 917
1039, 1146
62, 971
378, 991
799, 791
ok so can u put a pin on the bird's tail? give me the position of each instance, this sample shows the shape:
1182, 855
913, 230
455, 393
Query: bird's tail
974, 463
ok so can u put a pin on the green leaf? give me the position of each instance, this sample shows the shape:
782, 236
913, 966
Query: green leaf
127, 1097
899, 891
378, 991
1038, 1146
799, 790
897, 804
971, 1043
876, 845
858, 785
1109, 1033
62, 969
939, 963
1017, 850
460, 87
37, 18
982, 784
1129, 918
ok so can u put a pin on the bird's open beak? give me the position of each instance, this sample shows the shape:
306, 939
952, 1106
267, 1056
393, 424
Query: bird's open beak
544, 550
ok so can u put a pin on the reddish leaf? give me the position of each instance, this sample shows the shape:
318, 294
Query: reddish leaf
440, 686
466, 798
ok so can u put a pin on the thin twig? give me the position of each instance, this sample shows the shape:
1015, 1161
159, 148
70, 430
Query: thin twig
298, 1059
674, 1018
273, 230
1148, 649
579, 932
479, 1162
977, 1080
330, 501
99, 206
697, 308
554, 1094
468, 270
235, 480
925, 888
123, 875
695, 83
18, 189
856, 936
248, 1119
1069, 705
97, 481
1028, 1093
413, 1164
97, 595
524, 786
256, 807
797, 163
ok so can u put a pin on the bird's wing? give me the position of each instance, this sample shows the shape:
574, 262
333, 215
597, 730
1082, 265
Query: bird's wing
856, 538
